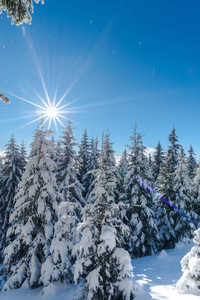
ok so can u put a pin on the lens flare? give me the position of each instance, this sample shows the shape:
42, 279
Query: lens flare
146, 186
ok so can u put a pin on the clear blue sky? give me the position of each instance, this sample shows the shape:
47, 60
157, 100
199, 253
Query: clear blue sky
129, 61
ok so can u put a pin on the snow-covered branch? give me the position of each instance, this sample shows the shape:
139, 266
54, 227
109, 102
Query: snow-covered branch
3, 97
19, 11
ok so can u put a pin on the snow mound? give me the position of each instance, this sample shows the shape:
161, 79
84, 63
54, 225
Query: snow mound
141, 294
180, 245
163, 255
50, 290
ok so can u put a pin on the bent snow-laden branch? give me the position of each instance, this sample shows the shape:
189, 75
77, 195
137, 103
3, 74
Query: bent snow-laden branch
20, 11
4, 98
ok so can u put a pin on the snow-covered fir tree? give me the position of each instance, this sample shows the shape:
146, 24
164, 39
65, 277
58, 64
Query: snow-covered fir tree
123, 164
157, 161
103, 266
1, 163
59, 264
189, 282
109, 152
150, 170
58, 157
173, 150
33, 218
93, 165
84, 163
166, 195
123, 170
183, 226
23, 155
150, 161
11, 174
139, 215
164, 213
191, 163
59, 152
196, 192
68, 181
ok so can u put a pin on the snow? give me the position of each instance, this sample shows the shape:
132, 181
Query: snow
154, 278
158, 277
163, 255
93, 282
2, 153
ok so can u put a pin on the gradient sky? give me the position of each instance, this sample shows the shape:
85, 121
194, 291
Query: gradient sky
125, 61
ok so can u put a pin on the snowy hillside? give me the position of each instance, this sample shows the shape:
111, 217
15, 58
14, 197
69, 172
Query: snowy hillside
155, 278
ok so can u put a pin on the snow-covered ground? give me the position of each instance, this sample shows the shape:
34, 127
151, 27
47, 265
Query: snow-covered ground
158, 274
155, 278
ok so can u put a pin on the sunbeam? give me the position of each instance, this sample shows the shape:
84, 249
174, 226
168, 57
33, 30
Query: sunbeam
49, 110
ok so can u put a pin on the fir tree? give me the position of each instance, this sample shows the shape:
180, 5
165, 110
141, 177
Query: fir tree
143, 231
23, 155
103, 266
109, 152
69, 184
1, 163
58, 265
123, 170
196, 192
58, 158
157, 161
173, 150
183, 201
164, 212
165, 187
93, 165
11, 174
59, 152
33, 218
191, 163
84, 163
189, 281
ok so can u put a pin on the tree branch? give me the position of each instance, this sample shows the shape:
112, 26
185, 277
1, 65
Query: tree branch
4, 98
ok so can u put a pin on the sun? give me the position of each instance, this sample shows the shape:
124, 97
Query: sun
50, 111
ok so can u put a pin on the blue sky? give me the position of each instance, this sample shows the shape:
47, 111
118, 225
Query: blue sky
125, 61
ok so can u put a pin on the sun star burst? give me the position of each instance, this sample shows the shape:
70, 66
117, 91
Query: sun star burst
49, 110
53, 112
